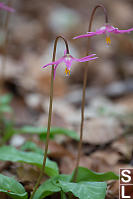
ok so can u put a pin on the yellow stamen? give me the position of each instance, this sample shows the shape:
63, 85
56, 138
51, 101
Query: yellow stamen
108, 40
67, 71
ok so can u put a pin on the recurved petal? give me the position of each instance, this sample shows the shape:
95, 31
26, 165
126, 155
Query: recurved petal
7, 8
85, 35
83, 59
53, 63
88, 59
98, 32
117, 31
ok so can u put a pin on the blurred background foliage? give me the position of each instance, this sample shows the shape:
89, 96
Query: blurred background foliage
34, 27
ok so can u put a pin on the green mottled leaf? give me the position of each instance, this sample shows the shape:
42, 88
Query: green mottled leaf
61, 183
5, 109
53, 131
5, 99
84, 190
31, 146
85, 174
32, 130
8, 131
9, 153
50, 187
88, 186
13, 188
46, 189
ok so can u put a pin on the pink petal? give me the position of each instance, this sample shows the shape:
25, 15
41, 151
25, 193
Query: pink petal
122, 31
7, 8
65, 52
85, 35
88, 56
53, 63
83, 59
88, 59
98, 32
110, 28
90, 34
68, 61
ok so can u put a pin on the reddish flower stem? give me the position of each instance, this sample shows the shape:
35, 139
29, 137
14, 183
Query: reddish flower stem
93, 14
84, 89
50, 113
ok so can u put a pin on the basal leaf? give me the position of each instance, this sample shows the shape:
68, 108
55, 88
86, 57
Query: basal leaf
63, 131
46, 189
9, 153
31, 146
53, 131
61, 183
32, 130
85, 174
84, 190
50, 187
5, 99
8, 131
11, 187
5, 109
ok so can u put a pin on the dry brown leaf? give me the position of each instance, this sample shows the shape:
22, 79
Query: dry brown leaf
60, 87
109, 157
58, 151
67, 165
113, 189
27, 173
127, 102
3, 196
123, 146
101, 130
4, 165
64, 110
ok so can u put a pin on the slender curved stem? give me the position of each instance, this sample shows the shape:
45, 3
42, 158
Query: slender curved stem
50, 113
83, 92
93, 14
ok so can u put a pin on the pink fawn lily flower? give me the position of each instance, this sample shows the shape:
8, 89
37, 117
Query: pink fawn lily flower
107, 29
68, 60
5, 7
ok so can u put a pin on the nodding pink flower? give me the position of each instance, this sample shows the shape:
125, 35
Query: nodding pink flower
7, 8
68, 60
107, 29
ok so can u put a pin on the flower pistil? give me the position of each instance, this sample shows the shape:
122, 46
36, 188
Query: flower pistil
108, 40
67, 72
